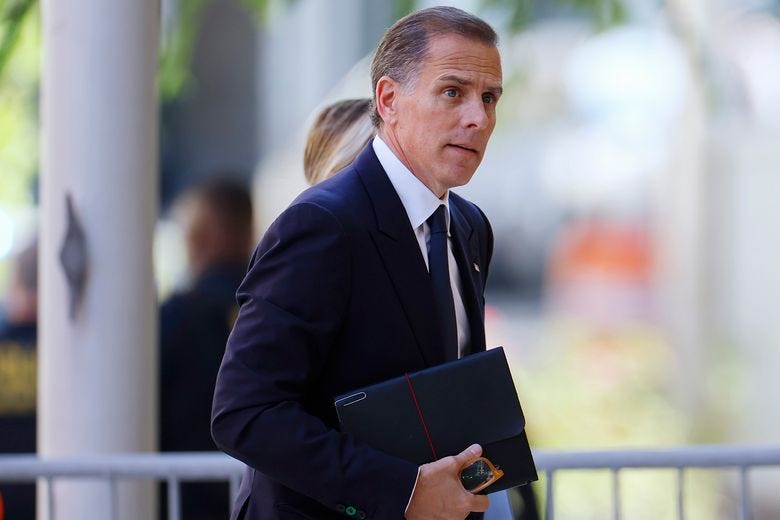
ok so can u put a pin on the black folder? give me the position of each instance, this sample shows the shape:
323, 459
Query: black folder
426, 415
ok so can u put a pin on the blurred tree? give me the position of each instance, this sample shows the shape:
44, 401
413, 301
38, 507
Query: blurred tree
19, 71
603, 13
19, 62
12, 16
176, 50
179, 40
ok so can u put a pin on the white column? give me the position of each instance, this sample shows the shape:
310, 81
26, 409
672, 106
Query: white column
97, 372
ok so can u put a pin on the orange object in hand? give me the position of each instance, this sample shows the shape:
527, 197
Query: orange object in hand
479, 474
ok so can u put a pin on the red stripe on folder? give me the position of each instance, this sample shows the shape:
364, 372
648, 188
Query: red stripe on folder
422, 418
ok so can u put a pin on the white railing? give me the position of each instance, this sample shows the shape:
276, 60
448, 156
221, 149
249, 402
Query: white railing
742, 458
172, 468
175, 468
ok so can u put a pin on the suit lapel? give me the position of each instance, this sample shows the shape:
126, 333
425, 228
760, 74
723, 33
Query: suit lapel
400, 252
466, 251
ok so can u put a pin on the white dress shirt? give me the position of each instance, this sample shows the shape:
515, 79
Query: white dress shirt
420, 203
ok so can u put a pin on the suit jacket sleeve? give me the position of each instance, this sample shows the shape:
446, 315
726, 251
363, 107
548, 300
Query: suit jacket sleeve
291, 306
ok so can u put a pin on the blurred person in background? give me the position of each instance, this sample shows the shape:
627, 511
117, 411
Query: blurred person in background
18, 336
194, 326
337, 135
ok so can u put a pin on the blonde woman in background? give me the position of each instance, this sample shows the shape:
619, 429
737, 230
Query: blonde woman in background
338, 134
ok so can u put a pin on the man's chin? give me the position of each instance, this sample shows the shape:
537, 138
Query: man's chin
460, 179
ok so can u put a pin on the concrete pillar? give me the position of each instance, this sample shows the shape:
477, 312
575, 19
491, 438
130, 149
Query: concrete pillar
97, 367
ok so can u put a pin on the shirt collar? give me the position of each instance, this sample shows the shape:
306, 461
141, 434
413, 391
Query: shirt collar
418, 201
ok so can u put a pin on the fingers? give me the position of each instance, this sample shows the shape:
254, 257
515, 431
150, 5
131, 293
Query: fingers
476, 503
468, 455
439, 492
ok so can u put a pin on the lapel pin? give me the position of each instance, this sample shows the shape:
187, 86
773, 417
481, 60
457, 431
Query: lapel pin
476, 267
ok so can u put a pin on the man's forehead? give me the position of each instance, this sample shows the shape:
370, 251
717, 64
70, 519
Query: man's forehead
457, 53
465, 71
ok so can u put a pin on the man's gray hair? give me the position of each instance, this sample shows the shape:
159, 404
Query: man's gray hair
404, 46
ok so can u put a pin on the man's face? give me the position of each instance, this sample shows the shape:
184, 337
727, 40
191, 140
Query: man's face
439, 125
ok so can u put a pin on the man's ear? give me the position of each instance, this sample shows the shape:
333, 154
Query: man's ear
387, 90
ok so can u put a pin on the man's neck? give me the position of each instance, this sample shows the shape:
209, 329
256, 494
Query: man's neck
392, 143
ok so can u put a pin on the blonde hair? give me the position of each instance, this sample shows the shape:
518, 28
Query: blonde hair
338, 134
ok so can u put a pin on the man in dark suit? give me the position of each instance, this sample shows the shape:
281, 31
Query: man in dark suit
378, 271
195, 323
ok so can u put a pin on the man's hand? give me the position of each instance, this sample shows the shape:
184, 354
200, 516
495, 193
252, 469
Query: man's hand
440, 495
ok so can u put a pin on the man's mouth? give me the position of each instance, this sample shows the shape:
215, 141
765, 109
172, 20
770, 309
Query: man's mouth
464, 148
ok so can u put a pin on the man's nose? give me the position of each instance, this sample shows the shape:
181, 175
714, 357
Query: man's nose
476, 114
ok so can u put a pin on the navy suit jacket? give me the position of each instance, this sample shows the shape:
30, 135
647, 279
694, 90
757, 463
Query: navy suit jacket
337, 296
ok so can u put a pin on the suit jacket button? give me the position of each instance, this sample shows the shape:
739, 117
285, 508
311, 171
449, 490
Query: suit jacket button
351, 511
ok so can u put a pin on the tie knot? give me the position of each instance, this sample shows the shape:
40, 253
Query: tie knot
438, 221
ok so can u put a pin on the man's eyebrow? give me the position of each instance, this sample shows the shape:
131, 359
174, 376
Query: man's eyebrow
496, 91
456, 79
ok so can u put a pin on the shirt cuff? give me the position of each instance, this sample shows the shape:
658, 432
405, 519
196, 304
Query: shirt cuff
413, 490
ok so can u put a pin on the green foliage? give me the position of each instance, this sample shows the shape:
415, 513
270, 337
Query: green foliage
519, 11
403, 7
603, 13
179, 42
18, 113
12, 16
177, 47
19, 61
260, 8
175, 51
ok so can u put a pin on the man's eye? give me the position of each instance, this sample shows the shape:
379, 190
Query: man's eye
488, 98
451, 92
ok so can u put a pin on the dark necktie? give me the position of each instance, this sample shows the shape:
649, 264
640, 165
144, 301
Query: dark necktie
440, 279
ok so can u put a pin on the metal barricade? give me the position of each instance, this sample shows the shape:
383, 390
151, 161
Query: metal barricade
175, 468
742, 458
